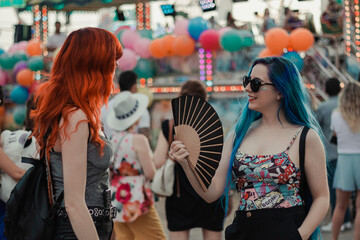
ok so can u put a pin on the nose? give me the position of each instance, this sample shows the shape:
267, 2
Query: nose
247, 88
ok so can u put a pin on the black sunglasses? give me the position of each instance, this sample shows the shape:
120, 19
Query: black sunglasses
255, 83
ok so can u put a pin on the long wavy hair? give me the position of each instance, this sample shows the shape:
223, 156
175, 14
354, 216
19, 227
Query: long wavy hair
81, 78
295, 103
349, 105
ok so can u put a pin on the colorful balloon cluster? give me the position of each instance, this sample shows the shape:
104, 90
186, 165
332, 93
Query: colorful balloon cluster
277, 40
188, 34
18, 65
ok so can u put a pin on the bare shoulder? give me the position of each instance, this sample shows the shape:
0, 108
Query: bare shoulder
140, 138
77, 115
313, 137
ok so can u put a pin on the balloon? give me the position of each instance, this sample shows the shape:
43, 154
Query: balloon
3, 78
197, 26
121, 28
301, 39
146, 34
145, 68
34, 48
276, 39
19, 66
295, 58
142, 47
19, 56
36, 63
2, 51
148, 93
129, 38
209, 40
265, 53
19, 115
25, 77
19, 94
168, 42
22, 45
7, 62
247, 38
119, 34
181, 27
184, 45
14, 48
224, 30
127, 61
34, 87
157, 49
231, 41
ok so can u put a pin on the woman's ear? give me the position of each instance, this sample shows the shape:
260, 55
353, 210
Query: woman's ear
279, 96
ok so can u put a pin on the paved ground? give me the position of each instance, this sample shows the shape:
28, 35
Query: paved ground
195, 234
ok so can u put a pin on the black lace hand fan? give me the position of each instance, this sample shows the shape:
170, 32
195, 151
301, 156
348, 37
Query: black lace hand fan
198, 126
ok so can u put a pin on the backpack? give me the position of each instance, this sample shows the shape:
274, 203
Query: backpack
29, 213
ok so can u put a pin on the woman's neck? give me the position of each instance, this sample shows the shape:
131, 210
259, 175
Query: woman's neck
271, 119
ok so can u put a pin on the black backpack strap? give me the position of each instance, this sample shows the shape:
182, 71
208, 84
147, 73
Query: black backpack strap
31, 161
303, 182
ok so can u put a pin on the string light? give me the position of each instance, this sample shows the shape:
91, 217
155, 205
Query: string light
143, 16
202, 64
45, 28
357, 28
209, 71
37, 19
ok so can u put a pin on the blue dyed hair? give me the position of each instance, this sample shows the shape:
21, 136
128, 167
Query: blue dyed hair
295, 102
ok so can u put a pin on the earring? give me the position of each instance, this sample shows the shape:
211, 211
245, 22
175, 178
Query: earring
279, 98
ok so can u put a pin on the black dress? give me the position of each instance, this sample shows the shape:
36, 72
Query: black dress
185, 209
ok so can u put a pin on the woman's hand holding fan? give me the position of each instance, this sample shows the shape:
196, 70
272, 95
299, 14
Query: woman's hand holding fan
199, 130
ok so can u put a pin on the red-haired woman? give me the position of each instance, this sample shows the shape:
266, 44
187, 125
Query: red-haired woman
68, 128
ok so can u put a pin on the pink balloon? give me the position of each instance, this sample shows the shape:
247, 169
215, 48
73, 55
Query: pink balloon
121, 28
128, 60
142, 47
129, 38
209, 40
224, 30
14, 48
181, 27
22, 45
4, 78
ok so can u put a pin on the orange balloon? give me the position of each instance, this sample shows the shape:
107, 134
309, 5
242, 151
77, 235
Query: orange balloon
168, 42
157, 48
2, 110
25, 77
34, 48
301, 39
276, 39
184, 45
265, 53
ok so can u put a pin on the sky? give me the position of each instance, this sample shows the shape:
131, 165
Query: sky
243, 12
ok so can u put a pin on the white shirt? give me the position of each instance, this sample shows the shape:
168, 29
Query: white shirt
56, 40
144, 119
347, 141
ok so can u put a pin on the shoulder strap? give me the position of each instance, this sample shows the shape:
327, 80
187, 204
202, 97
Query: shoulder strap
294, 138
171, 137
303, 182
120, 141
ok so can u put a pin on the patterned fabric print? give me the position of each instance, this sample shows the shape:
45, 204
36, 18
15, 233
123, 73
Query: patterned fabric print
131, 193
267, 181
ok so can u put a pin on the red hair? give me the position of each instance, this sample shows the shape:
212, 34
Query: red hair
81, 78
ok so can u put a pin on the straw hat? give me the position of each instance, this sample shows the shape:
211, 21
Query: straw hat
127, 109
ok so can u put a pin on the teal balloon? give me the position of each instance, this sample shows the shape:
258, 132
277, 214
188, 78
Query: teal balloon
7, 62
197, 26
20, 115
106, 1
2, 51
247, 38
19, 94
231, 41
146, 34
145, 68
36, 63
295, 58
19, 56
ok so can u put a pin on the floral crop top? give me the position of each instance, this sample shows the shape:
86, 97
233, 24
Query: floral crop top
267, 181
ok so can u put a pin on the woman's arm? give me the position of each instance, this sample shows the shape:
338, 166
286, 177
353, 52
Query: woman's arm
161, 151
9, 167
145, 155
74, 160
217, 186
315, 169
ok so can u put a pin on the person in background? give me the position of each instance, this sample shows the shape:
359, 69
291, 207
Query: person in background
67, 128
131, 171
261, 155
185, 209
345, 124
127, 82
57, 39
323, 113
268, 22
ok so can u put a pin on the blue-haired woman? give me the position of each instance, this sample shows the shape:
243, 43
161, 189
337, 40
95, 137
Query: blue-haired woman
262, 156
